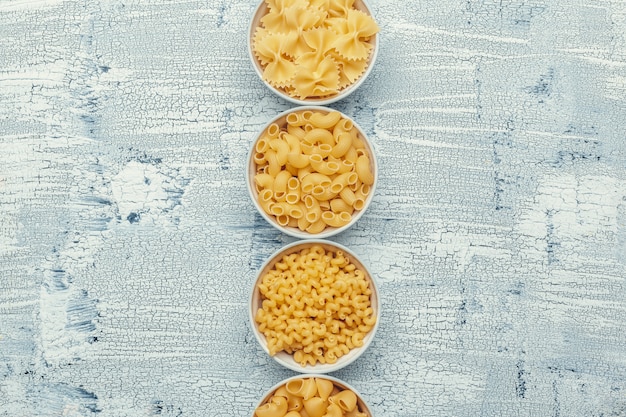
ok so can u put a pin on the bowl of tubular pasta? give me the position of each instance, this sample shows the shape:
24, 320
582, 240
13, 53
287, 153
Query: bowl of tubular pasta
313, 51
311, 172
312, 395
314, 306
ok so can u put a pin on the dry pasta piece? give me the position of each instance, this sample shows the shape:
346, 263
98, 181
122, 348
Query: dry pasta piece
275, 407
350, 70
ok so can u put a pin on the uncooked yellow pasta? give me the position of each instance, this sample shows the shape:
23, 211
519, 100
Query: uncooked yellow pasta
313, 397
325, 121
313, 48
313, 156
313, 304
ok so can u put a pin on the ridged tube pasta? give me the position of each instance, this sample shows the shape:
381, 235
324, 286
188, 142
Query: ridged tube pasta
336, 219
279, 186
292, 141
342, 180
298, 160
264, 181
361, 194
342, 145
293, 197
281, 148
325, 121
348, 196
314, 211
294, 119
293, 184
323, 149
273, 130
345, 166
344, 125
284, 208
296, 131
315, 178
262, 145
359, 203
266, 200
317, 135
316, 227
357, 142
323, 194
351, 155
273, 167
259, 158
323, 167
362, 168
337, 205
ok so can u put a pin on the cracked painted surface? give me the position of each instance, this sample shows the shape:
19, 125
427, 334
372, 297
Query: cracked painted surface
498, 232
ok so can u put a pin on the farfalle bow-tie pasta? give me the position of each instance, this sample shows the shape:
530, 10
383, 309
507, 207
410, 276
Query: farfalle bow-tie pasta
313, 48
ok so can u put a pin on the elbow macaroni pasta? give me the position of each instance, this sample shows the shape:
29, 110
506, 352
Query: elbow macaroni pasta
315, 305
313, 397
313, 48
321, 170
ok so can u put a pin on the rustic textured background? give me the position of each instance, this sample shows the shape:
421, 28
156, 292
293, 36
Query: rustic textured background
498, 232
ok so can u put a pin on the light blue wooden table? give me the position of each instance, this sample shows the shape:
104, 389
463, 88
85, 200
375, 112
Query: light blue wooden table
498, 232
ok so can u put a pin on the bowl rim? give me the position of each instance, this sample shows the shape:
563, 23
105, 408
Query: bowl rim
293, 231
286, 359
335, 380
312, 101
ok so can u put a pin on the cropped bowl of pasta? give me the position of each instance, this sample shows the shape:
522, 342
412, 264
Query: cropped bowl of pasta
313, 51
313, 395
314, 306
311, 172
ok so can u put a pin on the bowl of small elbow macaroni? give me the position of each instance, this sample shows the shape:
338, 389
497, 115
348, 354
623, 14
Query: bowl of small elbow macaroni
313, 395
313, 52
314, 306
311, 172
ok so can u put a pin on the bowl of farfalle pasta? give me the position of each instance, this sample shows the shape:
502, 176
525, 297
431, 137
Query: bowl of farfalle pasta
312, 395
314, 306
311, 172
313, 51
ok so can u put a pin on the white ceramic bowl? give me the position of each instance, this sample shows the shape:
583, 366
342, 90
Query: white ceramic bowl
280, 120
286, 359
338, 383
261, 11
